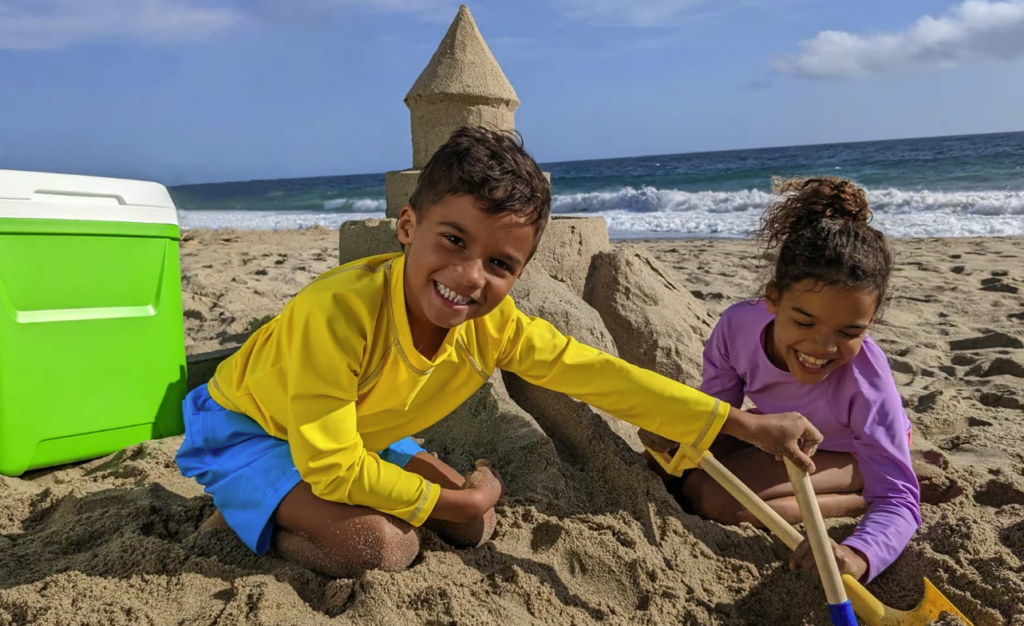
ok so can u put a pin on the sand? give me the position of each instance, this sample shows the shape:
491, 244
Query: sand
585, 534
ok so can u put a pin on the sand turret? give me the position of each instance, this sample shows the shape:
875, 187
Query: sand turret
461, 85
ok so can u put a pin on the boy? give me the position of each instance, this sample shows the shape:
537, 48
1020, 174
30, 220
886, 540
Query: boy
302, 436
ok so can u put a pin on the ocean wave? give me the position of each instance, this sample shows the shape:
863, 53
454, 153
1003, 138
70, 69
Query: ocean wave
267, 220
654, 200
356, 205
652, 212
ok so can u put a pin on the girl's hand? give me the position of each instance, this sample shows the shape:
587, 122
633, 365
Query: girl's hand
850, 561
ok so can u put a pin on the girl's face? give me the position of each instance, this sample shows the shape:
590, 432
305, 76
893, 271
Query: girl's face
817, 328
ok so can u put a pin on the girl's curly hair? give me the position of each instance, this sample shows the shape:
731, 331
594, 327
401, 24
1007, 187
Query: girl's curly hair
819, 230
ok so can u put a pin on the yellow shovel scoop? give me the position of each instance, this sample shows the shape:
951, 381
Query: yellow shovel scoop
866, 606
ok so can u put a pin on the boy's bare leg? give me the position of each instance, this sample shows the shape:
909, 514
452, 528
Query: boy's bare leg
837, 483
341, 540
467, 535
344, 541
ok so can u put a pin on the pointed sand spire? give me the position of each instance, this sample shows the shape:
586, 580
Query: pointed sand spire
463, 66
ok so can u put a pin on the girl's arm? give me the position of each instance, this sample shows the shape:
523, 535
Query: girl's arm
720, 378
891, 490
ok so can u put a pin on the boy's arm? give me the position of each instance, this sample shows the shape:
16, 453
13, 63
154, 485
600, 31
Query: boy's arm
540, 354
323, 366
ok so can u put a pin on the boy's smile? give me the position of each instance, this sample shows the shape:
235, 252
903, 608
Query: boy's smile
461, 262
817, 329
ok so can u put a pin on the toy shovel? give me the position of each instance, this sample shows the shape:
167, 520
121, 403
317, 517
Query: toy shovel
865, 605
839, 607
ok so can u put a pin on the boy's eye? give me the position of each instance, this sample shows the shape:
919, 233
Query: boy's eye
503, 265
454, 239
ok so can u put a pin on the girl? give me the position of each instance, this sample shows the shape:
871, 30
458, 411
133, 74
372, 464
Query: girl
803, 347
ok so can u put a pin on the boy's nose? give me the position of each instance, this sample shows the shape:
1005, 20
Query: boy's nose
473, 274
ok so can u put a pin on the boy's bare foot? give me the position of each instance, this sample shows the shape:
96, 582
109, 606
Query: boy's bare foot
214, 521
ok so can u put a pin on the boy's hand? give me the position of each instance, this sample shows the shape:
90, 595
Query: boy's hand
478, 495
657, 442
486, 485
850, 561
787, 435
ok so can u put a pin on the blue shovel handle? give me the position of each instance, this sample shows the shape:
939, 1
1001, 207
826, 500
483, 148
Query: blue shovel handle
842, 614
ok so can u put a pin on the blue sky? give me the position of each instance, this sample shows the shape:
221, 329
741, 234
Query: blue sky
210, 90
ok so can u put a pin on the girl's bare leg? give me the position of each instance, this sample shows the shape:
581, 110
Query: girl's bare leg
837, 483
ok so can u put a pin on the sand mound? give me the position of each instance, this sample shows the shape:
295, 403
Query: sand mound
585, 534
656, 323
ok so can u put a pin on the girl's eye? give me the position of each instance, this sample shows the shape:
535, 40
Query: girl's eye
453, 239
804, 324
849, 335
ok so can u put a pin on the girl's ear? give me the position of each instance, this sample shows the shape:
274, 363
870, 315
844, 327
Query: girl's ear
771, 297
406, 225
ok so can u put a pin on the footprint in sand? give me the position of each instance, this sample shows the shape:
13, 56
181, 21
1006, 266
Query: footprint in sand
998, 285
1005, 398
998, 493
1013, 538
988, 341
546, 535
999, 366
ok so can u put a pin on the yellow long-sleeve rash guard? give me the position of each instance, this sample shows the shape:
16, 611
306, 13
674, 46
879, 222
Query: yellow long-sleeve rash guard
337, 376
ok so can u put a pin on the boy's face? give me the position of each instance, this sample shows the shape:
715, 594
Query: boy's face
818, 328
460, 261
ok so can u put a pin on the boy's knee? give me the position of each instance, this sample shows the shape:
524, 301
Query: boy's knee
373, 543
385, 543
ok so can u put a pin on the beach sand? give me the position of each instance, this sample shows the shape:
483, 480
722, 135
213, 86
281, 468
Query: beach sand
585, 533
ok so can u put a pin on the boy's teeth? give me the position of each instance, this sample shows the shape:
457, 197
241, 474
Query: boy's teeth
811, 362
450, 295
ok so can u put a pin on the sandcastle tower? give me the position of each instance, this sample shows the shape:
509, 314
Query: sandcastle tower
461, 85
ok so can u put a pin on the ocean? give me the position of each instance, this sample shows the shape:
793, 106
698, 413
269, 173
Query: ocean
931, 187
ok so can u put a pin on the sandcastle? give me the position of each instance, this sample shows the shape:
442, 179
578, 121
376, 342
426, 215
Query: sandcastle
618, 299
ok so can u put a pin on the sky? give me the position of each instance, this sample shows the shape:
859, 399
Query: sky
190, 91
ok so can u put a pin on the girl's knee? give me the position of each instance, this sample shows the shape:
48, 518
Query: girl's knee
710, 501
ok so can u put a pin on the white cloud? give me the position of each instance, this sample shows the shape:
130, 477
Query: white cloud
59, 24
631, 12
975, 30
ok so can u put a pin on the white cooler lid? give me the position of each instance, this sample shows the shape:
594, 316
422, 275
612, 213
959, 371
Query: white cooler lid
42, 195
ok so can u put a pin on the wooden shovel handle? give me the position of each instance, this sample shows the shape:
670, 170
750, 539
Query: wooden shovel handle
821, 545
750, 501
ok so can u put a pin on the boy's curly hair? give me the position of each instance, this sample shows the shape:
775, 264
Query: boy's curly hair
820, 230
493, 167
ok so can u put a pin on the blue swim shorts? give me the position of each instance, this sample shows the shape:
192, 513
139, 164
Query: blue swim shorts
247, 471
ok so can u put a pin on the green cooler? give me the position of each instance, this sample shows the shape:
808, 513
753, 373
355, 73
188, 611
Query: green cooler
92, 350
